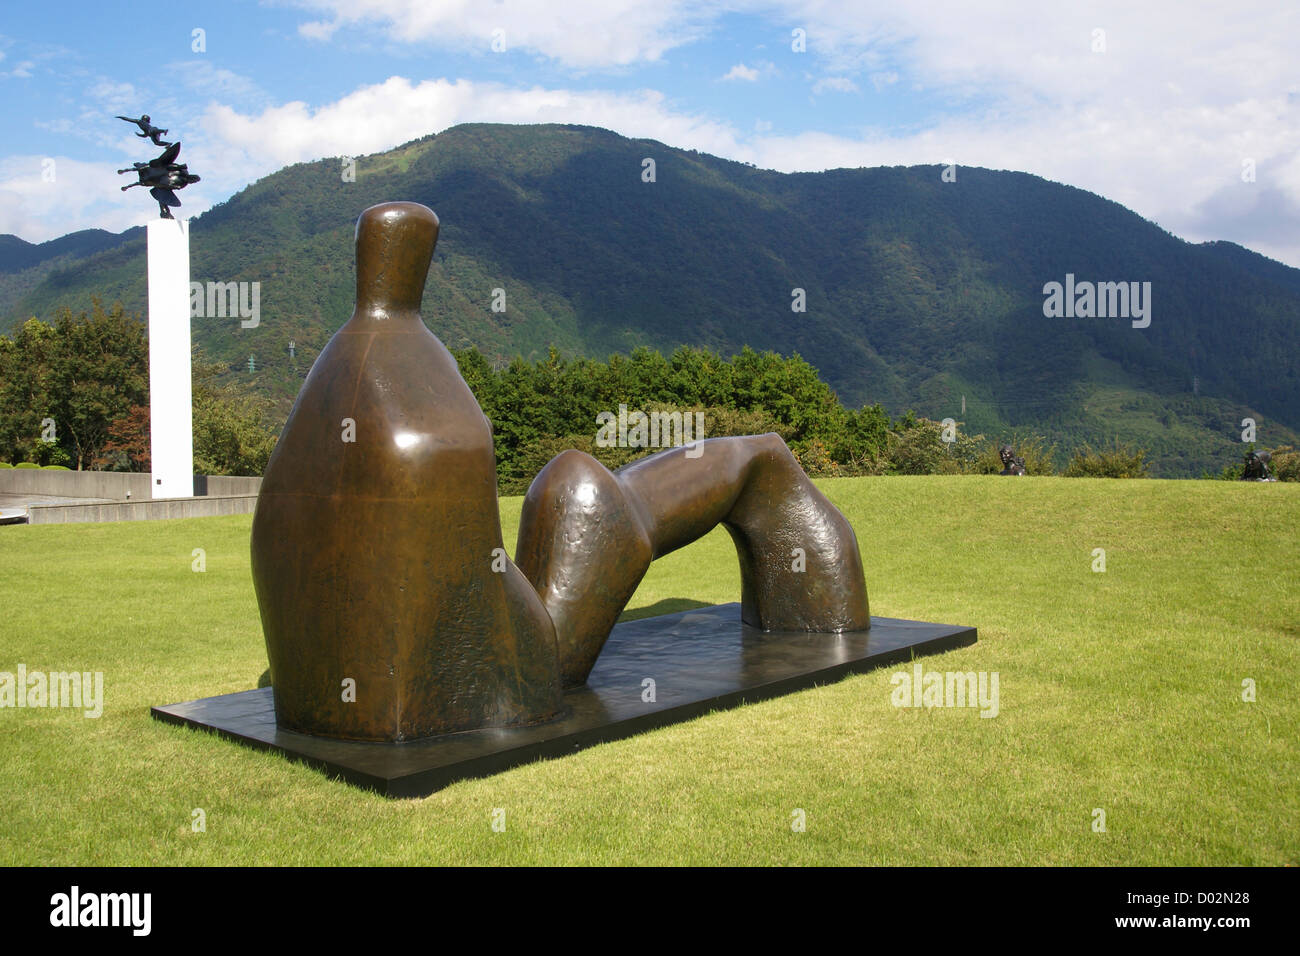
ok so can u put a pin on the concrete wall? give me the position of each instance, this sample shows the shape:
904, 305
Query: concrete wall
74, 484
117, 485
226, 485
143, 509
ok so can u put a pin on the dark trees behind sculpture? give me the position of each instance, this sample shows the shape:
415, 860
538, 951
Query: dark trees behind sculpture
390, 609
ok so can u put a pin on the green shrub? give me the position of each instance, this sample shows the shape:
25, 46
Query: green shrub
961, 454
815, 460
535, 455
1039, 456
917, 448
55, 468
5, 464
49, 453
1285, 465
27, 464
1116, 461
1230, 473
517, 473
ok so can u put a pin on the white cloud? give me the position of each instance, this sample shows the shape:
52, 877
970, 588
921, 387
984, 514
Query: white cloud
112, 95
231, 149
1160, 122
379, 117
839, 84
742, 72
318, 29
583, 34
81, 196
199, 75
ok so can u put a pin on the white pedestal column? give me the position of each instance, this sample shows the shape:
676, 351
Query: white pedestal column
171, 428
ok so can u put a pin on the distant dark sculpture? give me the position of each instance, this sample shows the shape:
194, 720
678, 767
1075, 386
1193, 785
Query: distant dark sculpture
1012, 464
147, 129
163, 175
1257, 466
390, 609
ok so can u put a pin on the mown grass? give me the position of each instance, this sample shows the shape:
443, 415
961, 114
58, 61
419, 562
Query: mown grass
1119, 691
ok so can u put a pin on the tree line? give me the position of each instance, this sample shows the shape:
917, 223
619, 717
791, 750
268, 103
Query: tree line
74, 393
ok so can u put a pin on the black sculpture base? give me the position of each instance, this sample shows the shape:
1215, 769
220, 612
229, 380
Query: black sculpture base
699, 660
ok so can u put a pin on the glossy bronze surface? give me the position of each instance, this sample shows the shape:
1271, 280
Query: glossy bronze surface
376, 531
701, 660
389, 608
587, 536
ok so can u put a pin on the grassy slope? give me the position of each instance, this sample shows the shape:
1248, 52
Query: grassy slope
1118, 690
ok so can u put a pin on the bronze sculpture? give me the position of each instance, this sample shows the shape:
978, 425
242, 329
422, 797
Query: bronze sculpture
622, 521
148, 130
163, 174
1256, 467
1012, 464
390, 609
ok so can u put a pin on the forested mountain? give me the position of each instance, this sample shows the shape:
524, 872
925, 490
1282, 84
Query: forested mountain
24, 265
918, 291
17, 254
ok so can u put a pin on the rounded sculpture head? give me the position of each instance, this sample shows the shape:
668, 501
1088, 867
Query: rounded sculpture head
394, 246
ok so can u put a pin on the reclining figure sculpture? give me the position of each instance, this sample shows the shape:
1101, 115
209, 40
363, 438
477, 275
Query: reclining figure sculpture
389, 607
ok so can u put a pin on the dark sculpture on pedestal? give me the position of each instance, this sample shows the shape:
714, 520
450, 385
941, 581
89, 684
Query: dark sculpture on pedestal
1012, 464
163, 174
148, 130
1256, 468
389, 607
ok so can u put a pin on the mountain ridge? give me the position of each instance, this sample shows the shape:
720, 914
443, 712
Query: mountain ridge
918, 291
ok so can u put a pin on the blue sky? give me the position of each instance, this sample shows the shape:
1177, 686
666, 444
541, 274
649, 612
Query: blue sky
1188, 113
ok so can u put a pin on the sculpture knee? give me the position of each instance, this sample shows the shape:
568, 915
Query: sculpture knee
584, 547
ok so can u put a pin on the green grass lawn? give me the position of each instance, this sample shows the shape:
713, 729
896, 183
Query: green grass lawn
1119, 691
